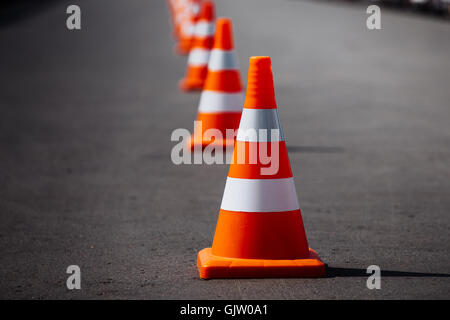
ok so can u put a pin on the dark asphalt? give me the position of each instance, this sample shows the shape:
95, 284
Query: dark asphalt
86, 176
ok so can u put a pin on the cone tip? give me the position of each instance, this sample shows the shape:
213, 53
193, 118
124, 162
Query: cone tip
260, 62
224, 34
207, 11
223, 21
260, 88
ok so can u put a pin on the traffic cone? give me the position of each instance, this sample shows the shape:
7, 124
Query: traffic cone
180, 14
197, 65
222, 98
260, 232
175, 7
187, 16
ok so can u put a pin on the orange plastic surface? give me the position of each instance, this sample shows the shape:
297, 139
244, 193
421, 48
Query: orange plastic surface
260, 89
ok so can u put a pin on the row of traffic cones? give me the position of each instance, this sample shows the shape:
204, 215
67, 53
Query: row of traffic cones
260, 231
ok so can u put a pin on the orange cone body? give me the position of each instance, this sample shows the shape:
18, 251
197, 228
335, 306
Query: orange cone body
260, 232
222, 98
197, 65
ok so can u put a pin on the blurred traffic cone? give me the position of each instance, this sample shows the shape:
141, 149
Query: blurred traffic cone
197, 65
176, 11
180, 14
186, 17
260, 231
222, 98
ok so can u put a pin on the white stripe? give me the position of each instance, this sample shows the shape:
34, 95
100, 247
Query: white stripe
198, 57
223, 60
204, 29
211, 101
260, 195
188, 28
260, 125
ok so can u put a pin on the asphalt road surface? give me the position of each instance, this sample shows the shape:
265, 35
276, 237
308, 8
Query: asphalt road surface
86, 176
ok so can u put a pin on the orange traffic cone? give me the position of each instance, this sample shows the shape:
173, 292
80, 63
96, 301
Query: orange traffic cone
180, 13
222, 98
176, 8
260, 231
197, 65
186, 17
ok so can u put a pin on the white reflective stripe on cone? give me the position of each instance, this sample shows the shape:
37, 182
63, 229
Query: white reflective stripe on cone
212, 101
256, 126
223, 60
260, 195
204, 29
198, 57
188, 28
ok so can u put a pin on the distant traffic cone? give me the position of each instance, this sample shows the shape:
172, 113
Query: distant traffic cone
186, 17
197, 65
175, 7
260, 231
180, 9
222, 98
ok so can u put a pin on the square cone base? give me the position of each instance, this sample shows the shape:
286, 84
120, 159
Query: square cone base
215, 267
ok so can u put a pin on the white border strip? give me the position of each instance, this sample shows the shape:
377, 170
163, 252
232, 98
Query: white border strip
254, 120
198, 57
223, 60
188, 28
212, 101
204, 29
260, 195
